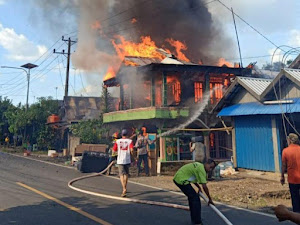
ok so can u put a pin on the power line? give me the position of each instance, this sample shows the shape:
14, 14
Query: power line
34, 77
61, 79
82, 83
254, 57
22, 79
249, 25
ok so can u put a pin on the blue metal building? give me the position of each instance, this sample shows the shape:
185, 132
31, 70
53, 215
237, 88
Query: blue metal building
256, 112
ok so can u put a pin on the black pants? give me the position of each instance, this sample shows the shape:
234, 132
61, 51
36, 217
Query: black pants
295, 195
194, 202
146, 166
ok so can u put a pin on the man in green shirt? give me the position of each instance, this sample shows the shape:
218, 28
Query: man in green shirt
195, 173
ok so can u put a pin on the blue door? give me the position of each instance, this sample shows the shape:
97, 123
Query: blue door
254, 143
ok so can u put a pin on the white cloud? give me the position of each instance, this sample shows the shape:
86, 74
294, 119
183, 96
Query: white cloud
18, 46
2, 2
275, 55
294, 38
266, 15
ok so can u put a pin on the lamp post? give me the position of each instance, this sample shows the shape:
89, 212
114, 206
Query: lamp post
28, 66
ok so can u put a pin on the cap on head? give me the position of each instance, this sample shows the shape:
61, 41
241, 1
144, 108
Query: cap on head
124, 132
293, 138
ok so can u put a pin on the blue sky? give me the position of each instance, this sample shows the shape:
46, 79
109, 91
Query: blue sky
25, 36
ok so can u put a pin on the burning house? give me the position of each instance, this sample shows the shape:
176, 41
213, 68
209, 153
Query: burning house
160, 93
135, 43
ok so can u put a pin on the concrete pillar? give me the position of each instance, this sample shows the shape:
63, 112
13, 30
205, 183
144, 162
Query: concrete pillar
162, 149
275, 145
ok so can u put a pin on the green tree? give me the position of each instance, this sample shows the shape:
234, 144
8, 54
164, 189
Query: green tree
90, 131
5, 104
33, 120
17, 120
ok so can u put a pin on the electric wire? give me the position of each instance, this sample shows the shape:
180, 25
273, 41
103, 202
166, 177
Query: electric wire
82, 83
34, 77
24, 79
249, 25
61, 79
41, 75
283, 116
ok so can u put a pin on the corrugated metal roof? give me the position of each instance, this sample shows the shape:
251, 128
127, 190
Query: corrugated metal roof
258, 85
257, 108
295, 73
141, 61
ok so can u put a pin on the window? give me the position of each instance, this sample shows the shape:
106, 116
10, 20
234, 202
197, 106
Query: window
198, 86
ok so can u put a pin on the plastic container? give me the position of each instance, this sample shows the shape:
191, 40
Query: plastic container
53, 118
216, 172
50, 152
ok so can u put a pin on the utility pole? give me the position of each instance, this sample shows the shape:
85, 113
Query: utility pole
237, 37
56, 92
70, 42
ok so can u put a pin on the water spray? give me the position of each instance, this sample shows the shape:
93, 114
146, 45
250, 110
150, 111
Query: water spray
203, 104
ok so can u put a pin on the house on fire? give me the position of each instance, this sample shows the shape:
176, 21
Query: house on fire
160, 95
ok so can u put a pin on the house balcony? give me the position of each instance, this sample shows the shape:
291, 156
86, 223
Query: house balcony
147, 113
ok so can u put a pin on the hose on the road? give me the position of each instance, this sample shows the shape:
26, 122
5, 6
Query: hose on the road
170, 205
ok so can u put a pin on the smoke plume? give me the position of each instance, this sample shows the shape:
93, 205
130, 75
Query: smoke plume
98, 21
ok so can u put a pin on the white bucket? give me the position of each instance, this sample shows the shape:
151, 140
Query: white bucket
50, 152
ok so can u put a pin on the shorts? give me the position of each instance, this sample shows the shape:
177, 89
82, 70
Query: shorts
123, 169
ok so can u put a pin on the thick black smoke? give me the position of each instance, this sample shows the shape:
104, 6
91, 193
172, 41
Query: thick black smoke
188, 21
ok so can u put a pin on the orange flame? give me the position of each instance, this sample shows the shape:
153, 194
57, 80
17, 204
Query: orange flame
223, 62
179, 46
134, 20
110, 73
146, 48
129, 63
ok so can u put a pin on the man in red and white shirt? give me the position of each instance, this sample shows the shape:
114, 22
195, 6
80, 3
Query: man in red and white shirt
124, 147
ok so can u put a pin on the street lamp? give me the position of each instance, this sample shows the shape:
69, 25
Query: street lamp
28, 66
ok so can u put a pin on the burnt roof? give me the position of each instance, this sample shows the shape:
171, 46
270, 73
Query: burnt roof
141, 61
160, 67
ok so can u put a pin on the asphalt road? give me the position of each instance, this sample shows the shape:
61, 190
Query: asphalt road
37, 193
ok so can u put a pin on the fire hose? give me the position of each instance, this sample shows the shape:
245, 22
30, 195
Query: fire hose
170, 205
